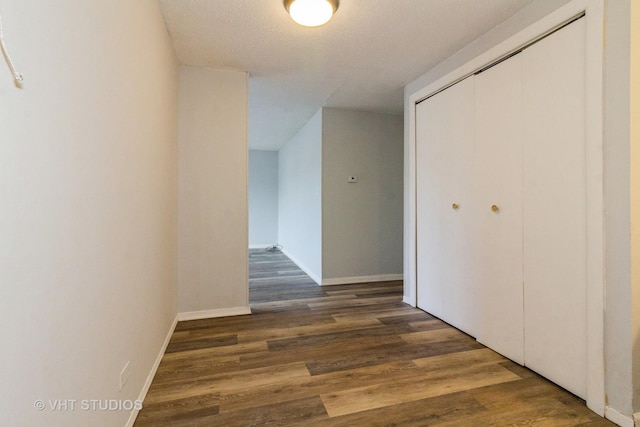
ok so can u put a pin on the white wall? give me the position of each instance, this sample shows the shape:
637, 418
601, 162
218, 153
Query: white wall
263, 198
635, 195
300, 197
361, 222
526, 16
212, 196
618, 321
88, 184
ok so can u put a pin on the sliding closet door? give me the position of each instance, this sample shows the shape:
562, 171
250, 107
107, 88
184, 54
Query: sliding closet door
459, 295
554, 207
498, 172
444, 155
429, 204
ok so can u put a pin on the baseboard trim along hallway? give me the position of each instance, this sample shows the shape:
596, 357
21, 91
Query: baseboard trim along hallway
209, 314
152, 373
361, 279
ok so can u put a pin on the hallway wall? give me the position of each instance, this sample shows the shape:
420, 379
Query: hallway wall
88, 211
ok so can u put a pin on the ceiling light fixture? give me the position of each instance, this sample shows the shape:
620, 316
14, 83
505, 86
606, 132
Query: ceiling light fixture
311, 13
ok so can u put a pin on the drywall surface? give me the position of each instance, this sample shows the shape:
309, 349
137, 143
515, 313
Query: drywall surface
618, 345
361, 221
519, 21
300, 197
212, 236
88, 183
635, 196
263, 198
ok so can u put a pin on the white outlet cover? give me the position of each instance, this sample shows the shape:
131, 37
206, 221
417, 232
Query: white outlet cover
352, 178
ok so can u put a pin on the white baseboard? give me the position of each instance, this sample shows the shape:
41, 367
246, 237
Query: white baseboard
152, 373
618, 417
208, 314
361, 279
265, 246
303, 267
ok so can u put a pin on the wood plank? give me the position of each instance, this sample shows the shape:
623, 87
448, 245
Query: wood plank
298, 412
435, 335
381, 314
433, 384
385, 354
215, 352
296, 332
354, 302
227, 382
319, 384
175, 411
177, 344
417, 413
358, 377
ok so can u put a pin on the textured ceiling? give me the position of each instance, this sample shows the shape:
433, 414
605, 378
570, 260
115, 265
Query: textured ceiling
360, 60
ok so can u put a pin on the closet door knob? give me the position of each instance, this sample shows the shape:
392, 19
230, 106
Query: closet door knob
494, 208
455, 206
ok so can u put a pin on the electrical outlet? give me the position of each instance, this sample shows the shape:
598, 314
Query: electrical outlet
124, 375
352, 178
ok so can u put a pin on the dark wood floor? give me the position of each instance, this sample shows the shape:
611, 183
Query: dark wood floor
351, 355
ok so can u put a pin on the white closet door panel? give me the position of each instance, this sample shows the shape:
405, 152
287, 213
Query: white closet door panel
498, 171
554, 207
459, 296
429, 200
444, 136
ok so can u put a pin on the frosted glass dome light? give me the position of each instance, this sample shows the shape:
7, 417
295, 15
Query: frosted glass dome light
311, 13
